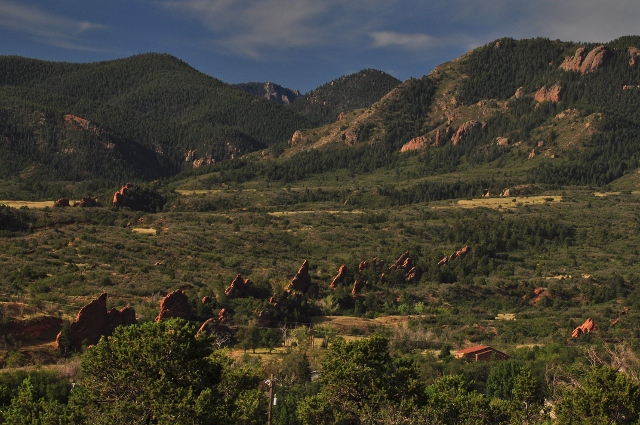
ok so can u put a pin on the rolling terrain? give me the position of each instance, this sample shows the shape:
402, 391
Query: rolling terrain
491, 202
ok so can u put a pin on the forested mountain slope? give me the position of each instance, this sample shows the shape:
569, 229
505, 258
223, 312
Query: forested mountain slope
545, 112
146, 116
324, 104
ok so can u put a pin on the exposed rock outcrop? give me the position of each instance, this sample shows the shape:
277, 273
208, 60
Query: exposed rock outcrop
87, 202
358, 284
207, 160
301, 282
549, 94
573, 63
93, 321
339, 279
215, 325
175, 304
297, 137
634, 56
584, 62
400, 261
240, 288
62, 202
465, 130
415, 144
596, 59
119, 198
363, 265
461, 253
587, 327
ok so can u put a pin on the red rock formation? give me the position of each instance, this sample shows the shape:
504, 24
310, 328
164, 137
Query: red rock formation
615, 322
93, 321
399, 261
119, 198
595, 60
87, 202
215, 325
412, 274
625, 310
465, 130
358, 284
62, 202
363, 265
415, 144
634, 56
407, 264
573, 63
339, 279
551, 94
175, 304
502, 141
240, 288
462, 252
383, 278
301, 281
437, 141
297, 137
584, 62
77, 121
458, 254
206, 300
587, 327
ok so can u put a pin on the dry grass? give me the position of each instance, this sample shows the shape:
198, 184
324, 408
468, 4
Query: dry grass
506, 316
506, 202
144, 231
28, 204
285, 213
185, 192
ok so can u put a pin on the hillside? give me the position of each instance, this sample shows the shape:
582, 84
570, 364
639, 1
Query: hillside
144, 117
488, 207
324, 104
546, 113
270, 91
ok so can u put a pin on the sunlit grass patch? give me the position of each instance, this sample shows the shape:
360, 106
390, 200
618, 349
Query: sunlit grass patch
507, 201
144, 231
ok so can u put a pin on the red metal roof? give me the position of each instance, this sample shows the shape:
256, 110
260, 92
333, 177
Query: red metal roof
474, 349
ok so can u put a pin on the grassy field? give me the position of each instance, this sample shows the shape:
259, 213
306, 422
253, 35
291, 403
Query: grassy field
28, 204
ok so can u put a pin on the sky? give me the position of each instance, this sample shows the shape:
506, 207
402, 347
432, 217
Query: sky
299, 44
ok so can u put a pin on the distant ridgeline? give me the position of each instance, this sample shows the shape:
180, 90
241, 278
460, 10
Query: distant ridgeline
545, 112
144, 117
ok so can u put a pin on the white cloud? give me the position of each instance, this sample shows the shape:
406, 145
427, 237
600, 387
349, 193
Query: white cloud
414, 41
248, 27
47, 28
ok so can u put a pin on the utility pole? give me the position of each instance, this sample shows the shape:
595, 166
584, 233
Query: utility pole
271, 383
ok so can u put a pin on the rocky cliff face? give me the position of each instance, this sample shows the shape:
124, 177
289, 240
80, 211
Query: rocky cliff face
240, 288
585, 62
270, 91
301, 282
175, 304
120, 197
549, 94
465, 130
415, 144
587, 327
339, 279
93, 321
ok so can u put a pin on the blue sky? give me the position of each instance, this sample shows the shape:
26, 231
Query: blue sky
299, 44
